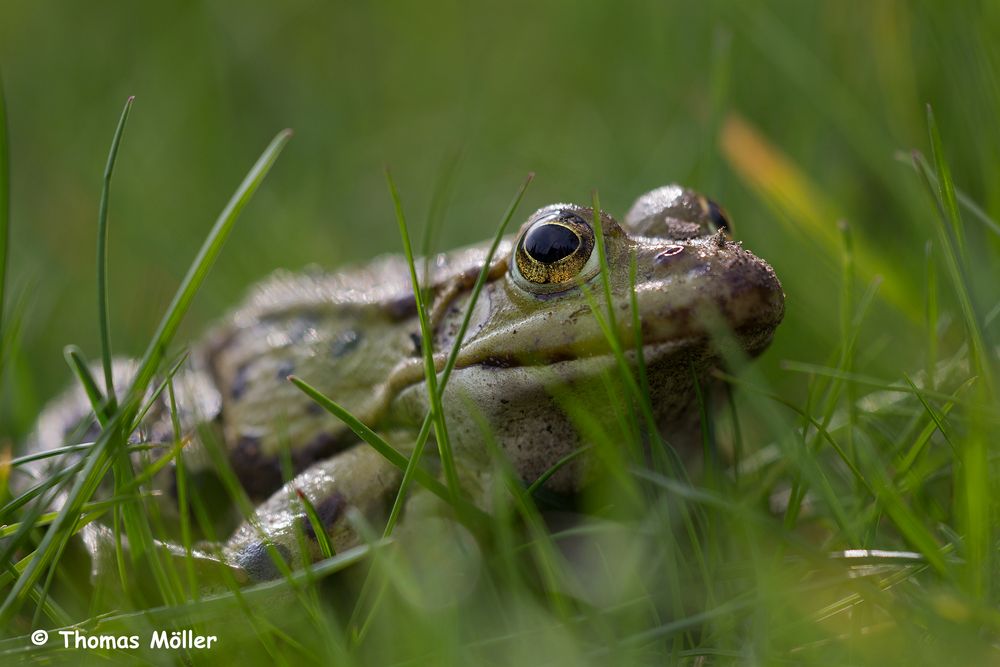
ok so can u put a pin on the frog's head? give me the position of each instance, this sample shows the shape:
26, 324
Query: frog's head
693, 291
691, 281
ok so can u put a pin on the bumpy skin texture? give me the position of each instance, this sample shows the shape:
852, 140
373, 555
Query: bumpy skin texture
355, 336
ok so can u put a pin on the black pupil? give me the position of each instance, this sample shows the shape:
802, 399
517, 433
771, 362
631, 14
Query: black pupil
549, 243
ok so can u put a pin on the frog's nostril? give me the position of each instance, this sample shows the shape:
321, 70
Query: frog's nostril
670, 251
257, 562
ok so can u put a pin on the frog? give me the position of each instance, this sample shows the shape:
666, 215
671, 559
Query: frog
535, 325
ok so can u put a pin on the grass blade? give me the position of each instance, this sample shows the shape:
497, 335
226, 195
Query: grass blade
391, 454
477, 288
78, 364
322, 539
426, 345
945, 186
952, 236
102, 260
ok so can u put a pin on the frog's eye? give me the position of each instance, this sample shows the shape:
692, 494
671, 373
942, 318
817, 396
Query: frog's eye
554, 252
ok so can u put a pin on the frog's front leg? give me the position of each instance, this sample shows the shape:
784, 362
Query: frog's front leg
358, 478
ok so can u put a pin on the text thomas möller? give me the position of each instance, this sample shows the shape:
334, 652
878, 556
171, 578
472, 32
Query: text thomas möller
160, 639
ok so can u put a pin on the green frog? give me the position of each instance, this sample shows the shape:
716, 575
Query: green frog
354, 335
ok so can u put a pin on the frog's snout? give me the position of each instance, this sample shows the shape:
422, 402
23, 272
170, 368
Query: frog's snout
693, 284
750, 297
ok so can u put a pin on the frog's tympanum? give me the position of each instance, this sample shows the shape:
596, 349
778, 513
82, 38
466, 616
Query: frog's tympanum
533, 344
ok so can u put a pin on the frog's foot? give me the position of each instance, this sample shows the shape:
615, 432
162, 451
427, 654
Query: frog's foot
359, 478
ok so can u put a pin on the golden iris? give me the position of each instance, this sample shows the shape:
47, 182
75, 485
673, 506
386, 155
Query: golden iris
555, 248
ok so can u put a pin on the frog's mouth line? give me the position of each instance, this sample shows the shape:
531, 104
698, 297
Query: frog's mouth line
751, 339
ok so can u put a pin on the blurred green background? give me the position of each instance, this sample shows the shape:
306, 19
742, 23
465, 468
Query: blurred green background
618, 96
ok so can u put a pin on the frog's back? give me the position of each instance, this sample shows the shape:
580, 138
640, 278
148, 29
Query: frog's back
322, 327
342, 332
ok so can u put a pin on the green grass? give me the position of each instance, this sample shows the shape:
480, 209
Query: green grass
117, 422
870, 424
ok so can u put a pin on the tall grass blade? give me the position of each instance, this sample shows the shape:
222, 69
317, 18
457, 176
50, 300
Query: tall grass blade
102, 260
426, 345
379, 444
78, 364
952, 239
477, 288
945, 187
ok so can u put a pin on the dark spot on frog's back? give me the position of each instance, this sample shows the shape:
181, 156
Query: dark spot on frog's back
344, 343
259, 474
327, 511
247, 447
402, 308
239, 385
322, 445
